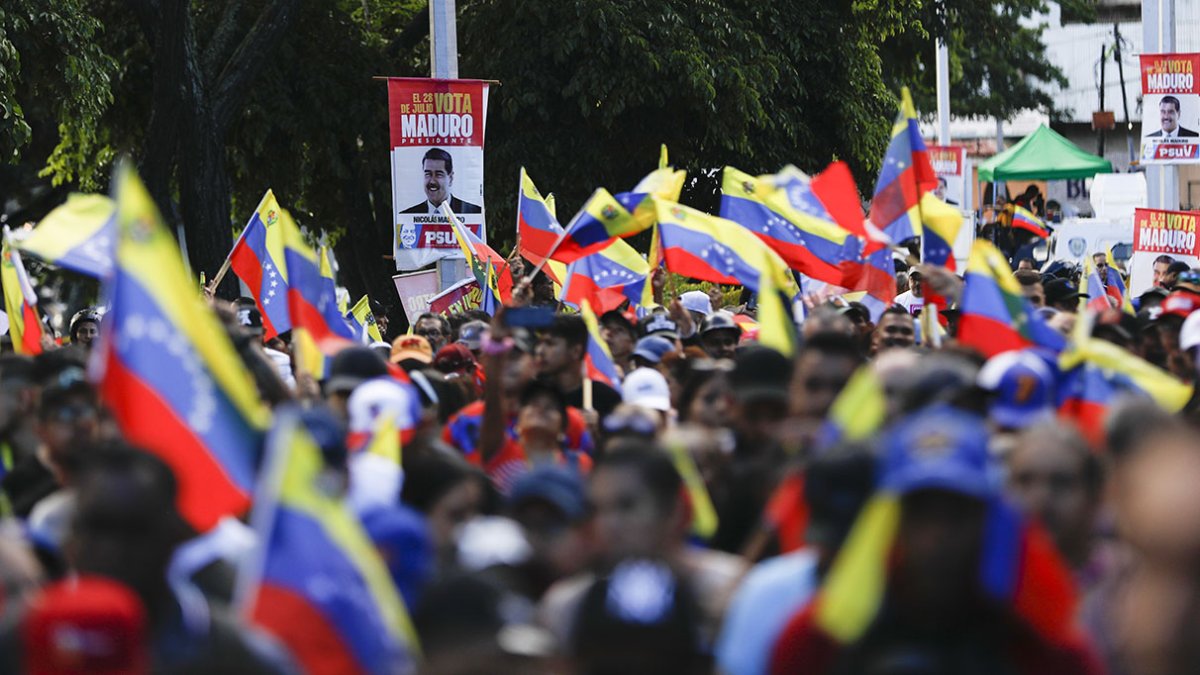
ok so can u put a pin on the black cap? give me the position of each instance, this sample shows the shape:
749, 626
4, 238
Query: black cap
1060, 290
761, 373
352, 366
658, 323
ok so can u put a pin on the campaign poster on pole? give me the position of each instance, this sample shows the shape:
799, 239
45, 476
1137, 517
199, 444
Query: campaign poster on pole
950, 164
416, 289
1170, 109
437, 133
1157, 233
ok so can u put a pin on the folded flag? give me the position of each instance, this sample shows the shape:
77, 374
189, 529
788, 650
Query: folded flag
257, 259
905, 176
786, 214
714, 249
994, 316
167, 369
940, 225
20, 302
607, 278
1024, 219
76, 236
316, 582
598, 359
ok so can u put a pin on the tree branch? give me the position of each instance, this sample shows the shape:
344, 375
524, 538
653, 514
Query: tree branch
417, 28
222, 43
231, 87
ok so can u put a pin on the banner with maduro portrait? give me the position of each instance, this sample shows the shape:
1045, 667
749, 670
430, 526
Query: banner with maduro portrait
1159, 239
1170, 108
437, 131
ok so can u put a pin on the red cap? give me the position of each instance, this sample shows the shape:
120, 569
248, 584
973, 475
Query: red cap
85, 625
1180, 303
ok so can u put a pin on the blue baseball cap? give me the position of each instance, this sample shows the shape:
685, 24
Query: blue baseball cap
1022, 387
938, 448
653, 348
556, 485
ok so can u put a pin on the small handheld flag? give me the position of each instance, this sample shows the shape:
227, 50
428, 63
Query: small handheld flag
598, 361
258, 260
1025, 219
20, 302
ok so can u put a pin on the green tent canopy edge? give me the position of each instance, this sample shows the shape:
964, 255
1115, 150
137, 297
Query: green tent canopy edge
1043, 155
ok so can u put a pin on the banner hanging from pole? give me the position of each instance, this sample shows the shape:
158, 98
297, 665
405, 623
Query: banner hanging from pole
437, 132
1171, 108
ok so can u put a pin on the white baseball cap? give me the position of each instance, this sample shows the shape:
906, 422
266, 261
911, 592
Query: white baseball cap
696, 301
647, 388
1189, 334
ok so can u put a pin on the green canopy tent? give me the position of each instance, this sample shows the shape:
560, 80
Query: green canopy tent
1043, 155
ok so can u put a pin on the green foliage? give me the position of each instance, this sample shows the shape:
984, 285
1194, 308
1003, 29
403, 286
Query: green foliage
998, 64
590, 89
53, 69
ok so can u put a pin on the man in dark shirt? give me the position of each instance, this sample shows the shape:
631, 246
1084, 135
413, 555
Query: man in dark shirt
559, 355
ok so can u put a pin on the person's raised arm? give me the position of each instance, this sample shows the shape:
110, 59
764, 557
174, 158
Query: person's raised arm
496, 345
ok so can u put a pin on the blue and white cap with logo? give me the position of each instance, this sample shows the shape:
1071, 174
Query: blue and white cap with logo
938, 448
1023, 388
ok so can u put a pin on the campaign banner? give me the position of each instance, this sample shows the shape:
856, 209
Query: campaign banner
1157, 233
950, 164
416, 289
1170, 108
437, 132
460, 297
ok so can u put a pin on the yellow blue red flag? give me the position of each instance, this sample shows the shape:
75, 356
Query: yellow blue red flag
906, 174
257, 259
76, 236
20, 302
168, 371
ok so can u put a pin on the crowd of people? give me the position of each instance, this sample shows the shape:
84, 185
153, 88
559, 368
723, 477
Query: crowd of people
551, 523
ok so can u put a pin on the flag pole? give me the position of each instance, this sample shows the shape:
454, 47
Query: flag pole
587, 387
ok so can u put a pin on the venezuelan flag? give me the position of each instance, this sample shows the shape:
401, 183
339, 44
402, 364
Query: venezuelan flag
362, 319
709, 248
607, 278
858, 411
76, 236
994, 315
20, 302
479, 255
168, 371
539, 230
784, 212
776, 323
1122, 370
606, 216
1022, 569
258, 260
905, 176
316, 582
941, 223
1024, 219
599, 361
318, 329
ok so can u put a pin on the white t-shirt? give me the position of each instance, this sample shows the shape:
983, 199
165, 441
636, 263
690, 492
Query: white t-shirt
910, 302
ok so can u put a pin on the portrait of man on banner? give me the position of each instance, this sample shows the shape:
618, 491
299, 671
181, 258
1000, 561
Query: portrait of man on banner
437, 173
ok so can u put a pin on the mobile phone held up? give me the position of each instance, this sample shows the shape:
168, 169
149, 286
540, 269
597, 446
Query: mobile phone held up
528, 317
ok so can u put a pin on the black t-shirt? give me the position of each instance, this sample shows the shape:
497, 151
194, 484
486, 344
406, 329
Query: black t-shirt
605, 399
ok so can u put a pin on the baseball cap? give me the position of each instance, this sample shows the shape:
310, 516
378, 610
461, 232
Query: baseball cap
454, 357
658, 323
937, 448
413, 347
1188, 281
647, 388
86, 624
555, 485
1023, 386
1189, 334
249, 317
1180, 304
696, 301
720, 320
760, 373
376, 397
616, 316
352, 366
653, 348
1060, 290
471, 334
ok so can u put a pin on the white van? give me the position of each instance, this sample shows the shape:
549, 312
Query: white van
1077, 238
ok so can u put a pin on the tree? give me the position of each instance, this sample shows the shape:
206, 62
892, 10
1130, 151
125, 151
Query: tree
998, 64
